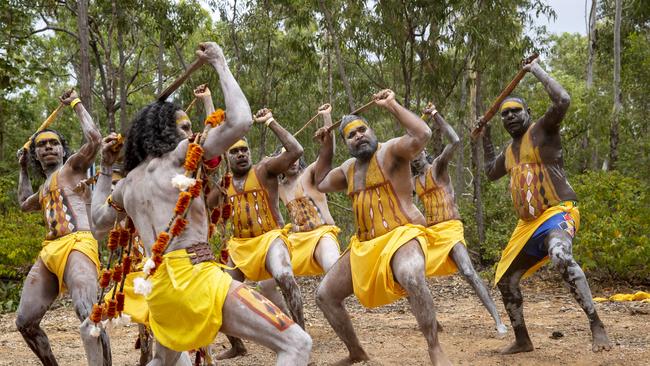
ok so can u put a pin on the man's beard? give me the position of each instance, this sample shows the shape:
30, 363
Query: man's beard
365, 152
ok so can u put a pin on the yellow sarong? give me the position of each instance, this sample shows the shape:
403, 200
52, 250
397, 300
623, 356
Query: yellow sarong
54, 253
372, 276
135, 305
524, 231
186, 301
637, 296
249, 254
444, 236
303, 245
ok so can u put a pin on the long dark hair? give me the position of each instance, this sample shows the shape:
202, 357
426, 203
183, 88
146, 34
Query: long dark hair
153, 132
36, 165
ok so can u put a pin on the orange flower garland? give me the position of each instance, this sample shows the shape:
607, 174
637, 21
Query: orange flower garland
179, 226
182, 203
195, 189
193, 157
216, 118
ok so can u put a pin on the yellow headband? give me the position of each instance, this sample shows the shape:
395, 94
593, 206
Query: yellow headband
240, 143
352, 125
182, 119
511, 104
47, 135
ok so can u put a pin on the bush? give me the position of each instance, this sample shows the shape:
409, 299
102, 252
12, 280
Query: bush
21, 234
614, 227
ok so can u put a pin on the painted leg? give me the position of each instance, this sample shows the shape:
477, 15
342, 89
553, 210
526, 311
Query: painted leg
40, 289
163, 356
460, 256
326, 252
560, 250
332, 291
408, 266
145, 339
278, 264
237, 347
292, 344
80, 277
514, 303
269, 289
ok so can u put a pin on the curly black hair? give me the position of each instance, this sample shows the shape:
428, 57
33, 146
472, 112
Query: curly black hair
33, 160
153, 132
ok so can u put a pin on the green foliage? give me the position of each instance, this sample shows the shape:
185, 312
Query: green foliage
21, 233
614, 225
9, 296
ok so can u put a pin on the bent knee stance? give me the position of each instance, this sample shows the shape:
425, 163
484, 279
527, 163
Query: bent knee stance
26, 323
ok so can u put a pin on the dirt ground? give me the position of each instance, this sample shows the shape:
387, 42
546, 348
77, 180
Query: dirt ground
391, 337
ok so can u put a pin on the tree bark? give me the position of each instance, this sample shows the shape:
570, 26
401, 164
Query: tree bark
161, 50
475, 104
613, 131
460, 130
584, 165
337, 51
85, 78
122, 75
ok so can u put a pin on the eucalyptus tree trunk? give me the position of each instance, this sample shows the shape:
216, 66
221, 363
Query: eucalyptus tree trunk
85, 78
613, 131
590, 80
337, 51
474, 105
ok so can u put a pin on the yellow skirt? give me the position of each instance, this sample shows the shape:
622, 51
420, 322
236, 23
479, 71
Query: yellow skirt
249, 254
524, 231
444, 236
135, 305
303, 245
185, 304
54, 253
372, 276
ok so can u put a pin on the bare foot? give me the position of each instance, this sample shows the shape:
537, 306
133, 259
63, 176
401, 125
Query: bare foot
235, 351
502, 330
438, 357
517, 347
352, 360
600, 341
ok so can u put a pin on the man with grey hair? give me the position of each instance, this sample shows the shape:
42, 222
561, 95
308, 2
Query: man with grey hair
387, 256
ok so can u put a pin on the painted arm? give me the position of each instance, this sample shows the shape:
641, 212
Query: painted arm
26, 197
103, 216
293, 150
448, 131
238, 112
495, 166
560, 99
417, 132
203, 93
85, 157
324, 164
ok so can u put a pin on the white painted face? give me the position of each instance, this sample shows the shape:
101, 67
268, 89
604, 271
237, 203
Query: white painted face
183, 124
49, 150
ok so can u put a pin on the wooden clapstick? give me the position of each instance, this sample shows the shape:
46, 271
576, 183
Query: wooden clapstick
181, 79
356, 111
483, 121
45, 124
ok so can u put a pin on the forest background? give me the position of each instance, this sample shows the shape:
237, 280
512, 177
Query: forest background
293, 56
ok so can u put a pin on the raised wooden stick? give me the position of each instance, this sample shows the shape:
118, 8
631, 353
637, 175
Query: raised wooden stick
181, 79
189, 106
45, 124
483, 121
356, 111
305, 125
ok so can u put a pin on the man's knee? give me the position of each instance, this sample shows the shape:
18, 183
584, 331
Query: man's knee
26, 323
559, 249
299, 343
